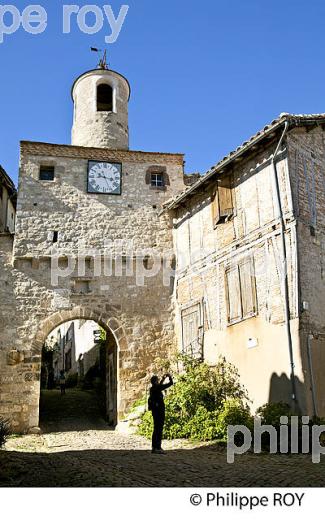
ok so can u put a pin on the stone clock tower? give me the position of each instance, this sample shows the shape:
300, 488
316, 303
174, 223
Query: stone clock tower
100, 99
81, 205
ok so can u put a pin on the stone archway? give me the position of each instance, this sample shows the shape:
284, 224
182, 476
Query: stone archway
109, 323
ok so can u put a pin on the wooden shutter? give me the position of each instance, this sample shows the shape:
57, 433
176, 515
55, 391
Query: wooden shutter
233, 294
191, 331
166, 179
148, 177
225, 197
247, 283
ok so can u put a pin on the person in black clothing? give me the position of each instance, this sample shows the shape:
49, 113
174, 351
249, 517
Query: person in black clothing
157, 407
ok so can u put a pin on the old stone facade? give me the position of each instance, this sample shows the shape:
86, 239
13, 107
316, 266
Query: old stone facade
64, 226
99, 228
230, 281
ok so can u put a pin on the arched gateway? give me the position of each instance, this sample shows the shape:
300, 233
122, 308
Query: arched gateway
107, 321
115, 336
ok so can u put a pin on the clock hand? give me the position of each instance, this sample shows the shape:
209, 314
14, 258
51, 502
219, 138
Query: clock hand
106, 182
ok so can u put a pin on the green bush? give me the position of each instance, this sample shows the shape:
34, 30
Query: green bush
5, 431
202, 403
270, 413
203, 425
234, 412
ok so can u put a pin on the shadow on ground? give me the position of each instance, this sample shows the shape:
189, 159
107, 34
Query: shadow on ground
78, 449
77, 410
198, 467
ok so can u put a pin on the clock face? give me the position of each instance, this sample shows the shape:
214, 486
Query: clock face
104, 177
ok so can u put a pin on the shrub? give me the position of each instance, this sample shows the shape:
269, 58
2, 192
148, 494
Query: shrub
270, 413
195, 403
203, 425
5, 431
234, 412
145, 428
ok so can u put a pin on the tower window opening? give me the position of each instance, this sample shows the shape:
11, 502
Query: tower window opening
55, 236
46, 173
104, 98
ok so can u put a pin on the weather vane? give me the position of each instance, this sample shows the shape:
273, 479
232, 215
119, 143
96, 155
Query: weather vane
103, 60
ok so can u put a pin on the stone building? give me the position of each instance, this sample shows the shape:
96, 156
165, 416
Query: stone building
8, 197
98, 230
94, 205
258, 210
75, 347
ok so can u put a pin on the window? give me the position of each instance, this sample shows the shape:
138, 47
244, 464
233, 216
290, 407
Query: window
192, 331
81, 287
104, 98
241, 290
46, 173
157, 177
55, 237
157, 180
222, 203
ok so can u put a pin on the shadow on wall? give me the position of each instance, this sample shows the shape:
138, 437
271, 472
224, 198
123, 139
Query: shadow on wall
281, 390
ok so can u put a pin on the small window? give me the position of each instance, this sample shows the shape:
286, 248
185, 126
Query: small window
46, 173
81, 287
55, 236
104, 98
157, 180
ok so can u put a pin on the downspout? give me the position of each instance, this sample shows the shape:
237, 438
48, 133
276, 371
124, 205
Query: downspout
284, 266
311, 371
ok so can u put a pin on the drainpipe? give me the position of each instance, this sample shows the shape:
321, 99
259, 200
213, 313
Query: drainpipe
284, 264
311, 371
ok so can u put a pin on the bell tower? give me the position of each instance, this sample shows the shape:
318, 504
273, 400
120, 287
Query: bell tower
100, 99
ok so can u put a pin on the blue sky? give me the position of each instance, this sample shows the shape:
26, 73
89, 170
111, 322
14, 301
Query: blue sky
204, 75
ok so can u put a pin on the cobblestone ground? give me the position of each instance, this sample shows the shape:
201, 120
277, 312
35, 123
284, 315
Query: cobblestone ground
77, 449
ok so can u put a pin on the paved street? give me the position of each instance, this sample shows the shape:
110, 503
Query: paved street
84, 452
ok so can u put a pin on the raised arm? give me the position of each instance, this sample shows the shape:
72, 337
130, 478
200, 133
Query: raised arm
166, 385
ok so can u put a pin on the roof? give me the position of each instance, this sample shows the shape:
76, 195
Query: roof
8, 183
91, 153
268, 131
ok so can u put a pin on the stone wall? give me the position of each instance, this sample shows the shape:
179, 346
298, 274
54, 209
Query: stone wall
140, 316
307, 164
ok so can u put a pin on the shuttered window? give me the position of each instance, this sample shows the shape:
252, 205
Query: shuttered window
191, 328
234, 298
240, 290
247, 284
222, 202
